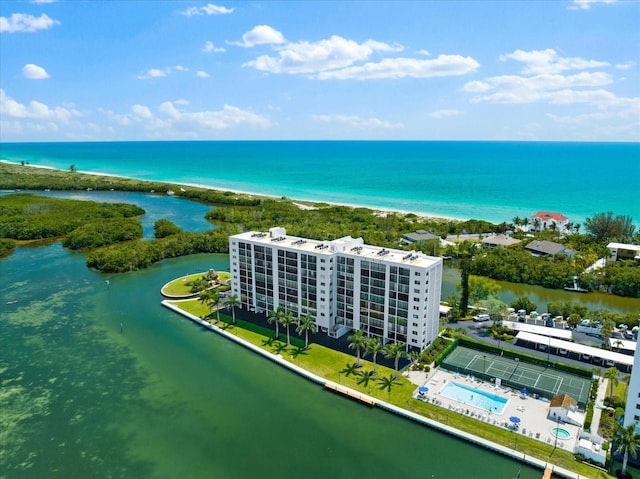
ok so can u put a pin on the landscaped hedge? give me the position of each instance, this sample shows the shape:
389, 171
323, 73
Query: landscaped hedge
446, 352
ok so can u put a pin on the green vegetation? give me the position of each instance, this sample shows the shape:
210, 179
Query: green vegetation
7, 247
105, 232
163, 228
340, 368
31, 217
29, 178
119, 258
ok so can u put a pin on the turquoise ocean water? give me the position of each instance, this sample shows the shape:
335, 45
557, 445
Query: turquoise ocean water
495, 181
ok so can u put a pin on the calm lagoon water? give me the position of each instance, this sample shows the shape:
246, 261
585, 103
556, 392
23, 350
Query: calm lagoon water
166, 399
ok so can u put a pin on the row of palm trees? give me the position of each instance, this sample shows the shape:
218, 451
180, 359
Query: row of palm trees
212, 299
373, 346
305, 324
537, 223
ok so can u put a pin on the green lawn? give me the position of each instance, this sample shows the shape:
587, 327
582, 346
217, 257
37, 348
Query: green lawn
331, 365
182, 287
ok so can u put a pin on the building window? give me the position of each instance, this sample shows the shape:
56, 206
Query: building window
416, 282
416, 273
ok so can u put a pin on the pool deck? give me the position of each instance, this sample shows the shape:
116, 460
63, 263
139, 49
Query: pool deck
532, 412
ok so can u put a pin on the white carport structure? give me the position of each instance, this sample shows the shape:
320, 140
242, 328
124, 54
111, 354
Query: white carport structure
609, 357
620, 344
541, 330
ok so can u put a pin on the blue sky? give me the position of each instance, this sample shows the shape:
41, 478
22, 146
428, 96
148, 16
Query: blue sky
562, 70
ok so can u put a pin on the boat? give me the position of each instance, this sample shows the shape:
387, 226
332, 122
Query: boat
12, 302
170, 192
576, 287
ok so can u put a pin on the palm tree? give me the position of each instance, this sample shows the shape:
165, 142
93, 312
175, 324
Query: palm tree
207, 297
525, 222
287, 320
365, 376
373, 346
536, 224
395, 351
627, 380
274, 317
307, 325
569, 226
349, 369
357, 342
628, 441
612, 375
576, 227
215, 303
232, 302
387, 382
517, 221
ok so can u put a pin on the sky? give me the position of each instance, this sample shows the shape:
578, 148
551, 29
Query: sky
120, 70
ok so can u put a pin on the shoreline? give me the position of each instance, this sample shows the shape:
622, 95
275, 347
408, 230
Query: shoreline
378, 210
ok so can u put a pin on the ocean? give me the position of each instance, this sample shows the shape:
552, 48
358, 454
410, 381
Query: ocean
494, 181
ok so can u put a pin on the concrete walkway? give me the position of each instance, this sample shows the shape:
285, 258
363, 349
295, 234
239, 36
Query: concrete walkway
599, 404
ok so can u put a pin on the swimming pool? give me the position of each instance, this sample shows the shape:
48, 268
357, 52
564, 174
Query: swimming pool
560, 433
474, 397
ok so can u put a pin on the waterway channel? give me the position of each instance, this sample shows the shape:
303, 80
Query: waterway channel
99, 380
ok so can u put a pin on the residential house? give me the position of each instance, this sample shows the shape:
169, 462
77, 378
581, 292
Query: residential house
544, 219
420, 236
496, 241
548, 248
623, 251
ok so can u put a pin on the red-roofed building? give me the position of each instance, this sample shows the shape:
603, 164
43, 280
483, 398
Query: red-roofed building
544, 219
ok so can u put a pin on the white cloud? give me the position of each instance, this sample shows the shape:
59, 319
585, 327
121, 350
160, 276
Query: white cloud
22, 22
543, 79
358, 122
625, 66
161, 72
172, 121
328, 54
518, 89
202, 74
35, 110
34, 72
43, 1
548, 61
141, 111
209, 9
586, 4
426, 53
444, 65
260, 35
445, 113
209, 47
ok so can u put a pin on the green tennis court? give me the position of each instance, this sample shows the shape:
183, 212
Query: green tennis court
546, 382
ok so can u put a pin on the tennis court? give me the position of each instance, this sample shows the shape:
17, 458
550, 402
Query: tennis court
537, 379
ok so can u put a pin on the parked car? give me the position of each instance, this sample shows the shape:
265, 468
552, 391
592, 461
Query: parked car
564, 352
481, 317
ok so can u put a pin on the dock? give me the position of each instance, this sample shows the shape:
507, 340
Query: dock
547, 472
350, 393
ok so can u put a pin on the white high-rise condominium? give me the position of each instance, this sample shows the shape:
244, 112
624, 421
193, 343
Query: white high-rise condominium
632, 410
344, 284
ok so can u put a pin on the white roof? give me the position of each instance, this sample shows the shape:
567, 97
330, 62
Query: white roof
576, 348
632, 247
542, 330
628, 345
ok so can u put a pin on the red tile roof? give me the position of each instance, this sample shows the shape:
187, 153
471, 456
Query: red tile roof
548, 215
